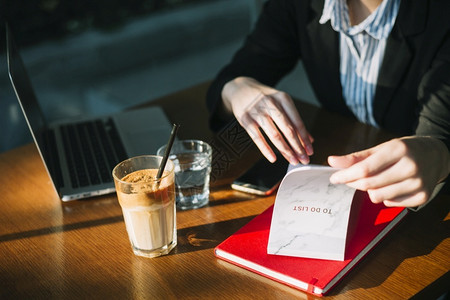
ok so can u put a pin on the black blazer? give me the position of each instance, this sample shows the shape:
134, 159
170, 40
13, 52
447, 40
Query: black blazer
413, 88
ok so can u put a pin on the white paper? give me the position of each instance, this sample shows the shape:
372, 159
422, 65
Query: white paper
311, 215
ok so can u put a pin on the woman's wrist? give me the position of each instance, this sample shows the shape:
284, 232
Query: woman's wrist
231, 88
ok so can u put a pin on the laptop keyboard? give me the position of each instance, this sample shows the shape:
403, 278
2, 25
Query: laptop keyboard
92, 149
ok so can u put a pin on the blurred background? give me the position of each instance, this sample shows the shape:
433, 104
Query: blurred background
96, 57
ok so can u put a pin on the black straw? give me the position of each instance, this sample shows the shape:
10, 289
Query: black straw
167, 152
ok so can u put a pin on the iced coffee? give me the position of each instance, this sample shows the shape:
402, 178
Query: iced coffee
148, 204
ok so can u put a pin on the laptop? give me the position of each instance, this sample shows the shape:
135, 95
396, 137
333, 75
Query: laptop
79, 155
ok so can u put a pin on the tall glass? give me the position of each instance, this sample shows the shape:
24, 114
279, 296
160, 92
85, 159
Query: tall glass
148, 204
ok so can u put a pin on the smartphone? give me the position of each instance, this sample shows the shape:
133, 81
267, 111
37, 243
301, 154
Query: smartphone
263, 178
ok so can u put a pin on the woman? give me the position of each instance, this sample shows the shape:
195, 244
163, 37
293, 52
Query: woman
385, 62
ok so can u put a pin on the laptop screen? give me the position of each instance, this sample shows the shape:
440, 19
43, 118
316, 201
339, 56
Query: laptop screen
31, 109
24, 91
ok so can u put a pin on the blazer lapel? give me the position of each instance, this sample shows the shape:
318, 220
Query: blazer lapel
398, 54
325, 48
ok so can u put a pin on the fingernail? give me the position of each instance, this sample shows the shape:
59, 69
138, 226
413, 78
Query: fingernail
309, 150
334, 179
304, 159
293, 160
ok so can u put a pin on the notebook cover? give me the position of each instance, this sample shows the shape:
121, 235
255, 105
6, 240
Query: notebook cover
247, 248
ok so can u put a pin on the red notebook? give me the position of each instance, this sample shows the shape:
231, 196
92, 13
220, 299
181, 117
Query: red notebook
247, 248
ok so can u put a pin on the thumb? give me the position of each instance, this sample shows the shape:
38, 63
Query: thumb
345, 161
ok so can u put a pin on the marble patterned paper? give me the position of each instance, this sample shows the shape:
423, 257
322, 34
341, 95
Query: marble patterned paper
311, 215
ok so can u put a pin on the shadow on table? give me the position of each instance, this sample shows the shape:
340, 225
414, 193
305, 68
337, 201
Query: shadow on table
60, 228
207, 236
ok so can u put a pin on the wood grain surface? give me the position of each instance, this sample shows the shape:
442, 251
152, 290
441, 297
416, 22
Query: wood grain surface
80, 249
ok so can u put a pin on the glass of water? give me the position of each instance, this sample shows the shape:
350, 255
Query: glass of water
192, 160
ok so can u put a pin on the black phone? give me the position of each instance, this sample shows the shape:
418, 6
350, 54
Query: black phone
263, 178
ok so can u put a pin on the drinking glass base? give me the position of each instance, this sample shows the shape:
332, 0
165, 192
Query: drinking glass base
155, 252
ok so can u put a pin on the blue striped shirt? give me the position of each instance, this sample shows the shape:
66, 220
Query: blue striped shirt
361, 50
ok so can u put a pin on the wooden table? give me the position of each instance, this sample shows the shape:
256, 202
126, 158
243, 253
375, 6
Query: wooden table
80, 249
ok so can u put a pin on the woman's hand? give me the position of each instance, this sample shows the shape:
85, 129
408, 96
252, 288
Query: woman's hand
258, 106
400, 172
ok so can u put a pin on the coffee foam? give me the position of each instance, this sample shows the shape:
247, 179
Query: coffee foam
144, 191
